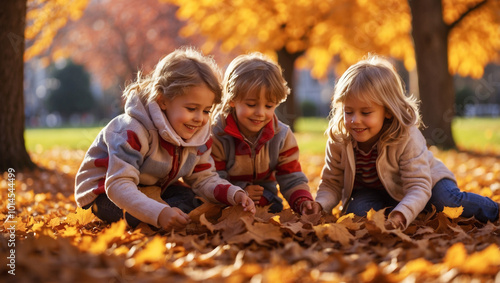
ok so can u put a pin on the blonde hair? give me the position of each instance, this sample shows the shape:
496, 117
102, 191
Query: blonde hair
374, 80
175, 74
252, 73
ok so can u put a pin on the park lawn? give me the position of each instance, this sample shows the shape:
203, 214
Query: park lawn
40, 139
476, 134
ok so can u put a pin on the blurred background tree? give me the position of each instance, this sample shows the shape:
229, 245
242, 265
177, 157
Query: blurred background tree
115, 38
440, 38
71, 93
38, 25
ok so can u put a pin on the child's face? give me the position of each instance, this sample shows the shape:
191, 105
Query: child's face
188, 113
364, 121
253, 112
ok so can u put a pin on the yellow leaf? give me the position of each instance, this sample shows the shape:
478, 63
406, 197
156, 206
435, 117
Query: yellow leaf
37, 226
81, 217
69, 231
54, 222
456, 255
378, 217
486, 261
108, 237
153, 252
453, 212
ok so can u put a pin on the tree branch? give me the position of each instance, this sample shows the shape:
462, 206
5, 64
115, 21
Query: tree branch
466, 13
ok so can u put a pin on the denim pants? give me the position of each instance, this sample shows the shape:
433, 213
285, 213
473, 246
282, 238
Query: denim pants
444, 193
176, 196
275, 201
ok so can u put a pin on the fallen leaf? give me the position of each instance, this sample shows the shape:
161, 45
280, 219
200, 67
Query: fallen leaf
453, 212
334, 231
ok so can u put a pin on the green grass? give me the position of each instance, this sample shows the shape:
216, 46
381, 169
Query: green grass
71, 138
477, 134
310, 134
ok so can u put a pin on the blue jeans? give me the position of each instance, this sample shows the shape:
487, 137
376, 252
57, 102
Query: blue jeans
444, 193
275, 201
176, 196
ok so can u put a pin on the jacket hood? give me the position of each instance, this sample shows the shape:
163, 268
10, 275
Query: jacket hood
152, 117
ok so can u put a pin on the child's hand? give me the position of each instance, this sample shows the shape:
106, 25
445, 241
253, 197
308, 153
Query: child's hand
173, 217
310, 207
396, 220
255, 192
245, 201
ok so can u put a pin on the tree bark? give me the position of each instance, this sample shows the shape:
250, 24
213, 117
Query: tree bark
13, 152
430, 36
287, 111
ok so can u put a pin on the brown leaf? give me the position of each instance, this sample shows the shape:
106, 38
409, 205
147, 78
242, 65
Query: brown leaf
334, 231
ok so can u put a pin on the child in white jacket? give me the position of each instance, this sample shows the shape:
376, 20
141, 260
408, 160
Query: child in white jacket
163, 135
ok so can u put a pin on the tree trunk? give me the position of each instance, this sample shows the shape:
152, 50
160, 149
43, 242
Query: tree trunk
13, 152
287, 111
430, 36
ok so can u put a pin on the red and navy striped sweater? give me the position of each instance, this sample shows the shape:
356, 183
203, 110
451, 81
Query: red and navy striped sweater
272, 160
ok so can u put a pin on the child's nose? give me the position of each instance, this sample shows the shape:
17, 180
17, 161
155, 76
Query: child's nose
198, 116
259, 110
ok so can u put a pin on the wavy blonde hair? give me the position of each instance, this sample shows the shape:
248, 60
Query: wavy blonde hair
251, 73
374, 80
175, 74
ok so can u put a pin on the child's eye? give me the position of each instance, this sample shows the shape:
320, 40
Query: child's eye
366, 113
207, 112
190, 109
347, 112
269, 106
250, 105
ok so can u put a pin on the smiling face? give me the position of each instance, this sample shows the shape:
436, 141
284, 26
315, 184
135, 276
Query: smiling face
253, 112
364, 121
189, 112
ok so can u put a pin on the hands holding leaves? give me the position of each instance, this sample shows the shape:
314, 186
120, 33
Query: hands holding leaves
246, 202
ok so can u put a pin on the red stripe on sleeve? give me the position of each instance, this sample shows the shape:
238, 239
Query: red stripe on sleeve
289, 152
101, 162
299, 196
100, 187
220, 165
133, 140
220, 193
201, 167
290, 167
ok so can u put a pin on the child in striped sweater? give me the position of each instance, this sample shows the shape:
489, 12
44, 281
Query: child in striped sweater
252, 148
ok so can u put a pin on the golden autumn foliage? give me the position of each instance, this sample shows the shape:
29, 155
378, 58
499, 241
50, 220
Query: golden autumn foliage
55, 241
45, 18
343, 31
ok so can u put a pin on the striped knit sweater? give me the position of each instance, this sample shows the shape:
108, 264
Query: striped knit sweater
273, 159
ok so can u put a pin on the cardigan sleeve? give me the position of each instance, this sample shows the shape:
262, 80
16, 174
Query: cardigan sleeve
415, 171
332, 177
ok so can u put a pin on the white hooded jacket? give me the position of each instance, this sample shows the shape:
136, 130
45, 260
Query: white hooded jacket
140, 148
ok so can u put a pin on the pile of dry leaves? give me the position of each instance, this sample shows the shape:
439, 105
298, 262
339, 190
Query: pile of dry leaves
56, 242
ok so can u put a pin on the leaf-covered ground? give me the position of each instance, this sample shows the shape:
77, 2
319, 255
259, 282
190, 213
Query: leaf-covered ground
56, 242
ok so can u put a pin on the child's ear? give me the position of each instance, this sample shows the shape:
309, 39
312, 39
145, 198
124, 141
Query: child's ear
161, 102
231, 103
388, 115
